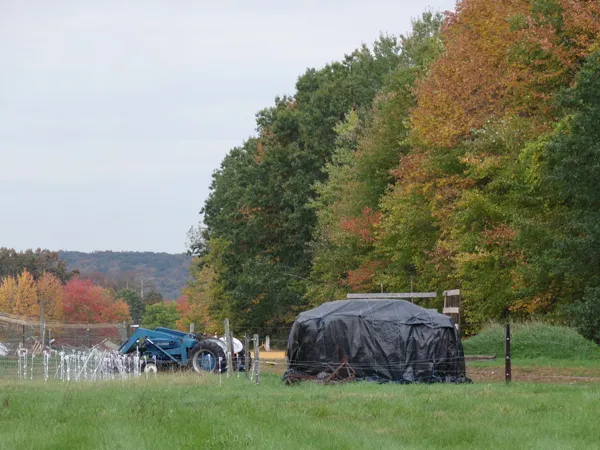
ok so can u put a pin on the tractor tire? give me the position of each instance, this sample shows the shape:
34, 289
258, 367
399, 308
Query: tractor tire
241, 356
204, 357
150, 368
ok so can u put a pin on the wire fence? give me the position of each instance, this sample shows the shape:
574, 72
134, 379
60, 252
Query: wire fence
576, 364
28, 348
74, 351
16, 330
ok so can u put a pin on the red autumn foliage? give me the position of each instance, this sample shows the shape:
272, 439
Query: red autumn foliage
362, 226
361, 279
83, 301
500, 235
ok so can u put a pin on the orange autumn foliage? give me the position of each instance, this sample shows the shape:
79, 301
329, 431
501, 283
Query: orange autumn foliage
22, 296
50, 294
502, 57
26, 301
8, 294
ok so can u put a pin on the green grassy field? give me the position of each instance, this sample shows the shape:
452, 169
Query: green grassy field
554, 402
187, 411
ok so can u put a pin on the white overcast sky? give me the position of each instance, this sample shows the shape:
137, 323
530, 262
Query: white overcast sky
114, 114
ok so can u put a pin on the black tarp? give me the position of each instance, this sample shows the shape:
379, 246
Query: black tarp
383, 340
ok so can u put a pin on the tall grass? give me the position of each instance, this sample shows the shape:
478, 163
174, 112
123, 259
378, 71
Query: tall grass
187, 411
533, 340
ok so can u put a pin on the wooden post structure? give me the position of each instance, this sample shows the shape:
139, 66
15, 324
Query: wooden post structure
192, 325
42, 327
256, 359
246, 359
452, 300
229, 352
507, 368
392, 295
122, 327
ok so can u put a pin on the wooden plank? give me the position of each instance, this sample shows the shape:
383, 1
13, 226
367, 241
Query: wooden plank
452, 292
402, 295
479, 357
452, 310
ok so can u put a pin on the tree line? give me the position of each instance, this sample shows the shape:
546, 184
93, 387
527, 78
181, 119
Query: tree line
163, 273
37, 284
462, 154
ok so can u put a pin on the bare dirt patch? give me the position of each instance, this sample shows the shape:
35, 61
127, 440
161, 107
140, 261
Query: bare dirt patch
537, 374
272, 355
274, 362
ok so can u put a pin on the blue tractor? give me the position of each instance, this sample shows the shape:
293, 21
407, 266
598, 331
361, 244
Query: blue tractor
166, 348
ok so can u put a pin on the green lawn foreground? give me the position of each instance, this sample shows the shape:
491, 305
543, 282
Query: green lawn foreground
186, 411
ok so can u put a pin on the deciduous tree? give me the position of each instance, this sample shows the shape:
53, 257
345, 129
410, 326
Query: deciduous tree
26, 300
85, 302
38, 262
164, 314
8, 294
135, 302
50, 294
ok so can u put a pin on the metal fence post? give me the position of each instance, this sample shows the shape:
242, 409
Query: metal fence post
507, 368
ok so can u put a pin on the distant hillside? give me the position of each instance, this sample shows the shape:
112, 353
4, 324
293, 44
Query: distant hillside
163, 272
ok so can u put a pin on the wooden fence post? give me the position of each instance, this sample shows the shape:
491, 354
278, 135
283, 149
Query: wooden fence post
246, 359
229, 352
507, 368
452, 307
42, 327
256, 359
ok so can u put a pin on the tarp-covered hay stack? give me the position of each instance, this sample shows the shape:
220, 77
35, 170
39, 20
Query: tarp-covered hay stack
381, 340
